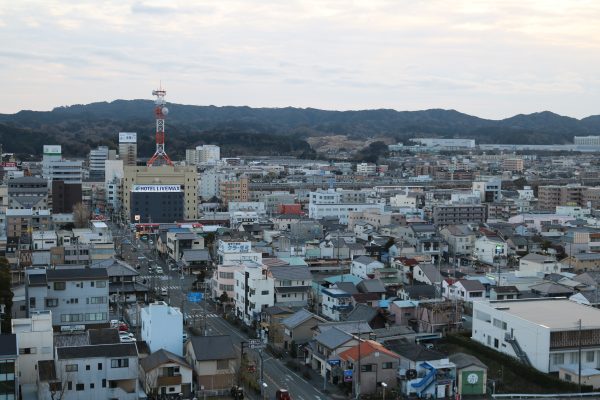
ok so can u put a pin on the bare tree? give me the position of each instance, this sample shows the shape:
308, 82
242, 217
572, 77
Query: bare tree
81, 215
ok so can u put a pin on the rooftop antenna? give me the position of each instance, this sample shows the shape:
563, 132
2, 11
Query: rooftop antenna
160, 112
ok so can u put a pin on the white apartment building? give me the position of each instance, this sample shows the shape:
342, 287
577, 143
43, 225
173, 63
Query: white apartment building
223, 280
209, 183
36, 342
96, 160
253, 290
542, 332
162, 327
207, 154
586, 140
233, 252
335, 304
339, 204
55, 168
366, 168
490, 250
488, 191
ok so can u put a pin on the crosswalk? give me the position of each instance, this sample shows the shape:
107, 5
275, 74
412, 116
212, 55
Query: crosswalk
150, 277
200, 315
169, 287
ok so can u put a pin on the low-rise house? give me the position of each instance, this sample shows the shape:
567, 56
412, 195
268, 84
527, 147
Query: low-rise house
504, 293
439, 316
418, 292
213, 359
270, 323
35, 340
102, 371
376, 317
336, 303
178, 242
327, 346
404, 312
537, 265
123, 285
163, 374
195, 260
464, 289
490, 250
427, 274
371, 364
364, 267
298, 328
471, 374
292, 285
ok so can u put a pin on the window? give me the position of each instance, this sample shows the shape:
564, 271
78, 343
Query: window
103, 383
32, 302
69, 385
71, 368
574, 357
367, 368
91, 385
51, 302
79, 387
387, 365
87, 367
99, 366
496, 343
264, 292
96, 300
59, 286
28, 350
100, 284
119, 363
589, 356
568, 378
222, 364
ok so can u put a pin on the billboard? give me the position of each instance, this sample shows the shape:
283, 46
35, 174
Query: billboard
156, 188
52, 149
127, 137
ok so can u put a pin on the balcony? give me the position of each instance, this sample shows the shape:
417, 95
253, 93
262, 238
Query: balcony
168, 380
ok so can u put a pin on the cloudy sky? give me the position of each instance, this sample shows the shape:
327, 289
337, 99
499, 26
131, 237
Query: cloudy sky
488, 58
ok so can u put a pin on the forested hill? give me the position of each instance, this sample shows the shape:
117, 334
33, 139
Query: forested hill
260, 130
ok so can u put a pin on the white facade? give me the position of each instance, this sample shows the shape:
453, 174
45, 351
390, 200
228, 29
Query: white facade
545, 330
487, 248
362, 268
207, 154
97, 159
253, 291
586, 140
209, 183
445, 143
406, 199
233, 252
162, 327
335, 304
238, 218
488, 191
332, 204
366, 169
35, 339
223, 280
44, 240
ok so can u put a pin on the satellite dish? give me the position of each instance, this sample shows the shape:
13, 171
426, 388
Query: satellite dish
165, 110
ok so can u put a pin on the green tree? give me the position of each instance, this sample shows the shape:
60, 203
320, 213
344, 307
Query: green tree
6, 294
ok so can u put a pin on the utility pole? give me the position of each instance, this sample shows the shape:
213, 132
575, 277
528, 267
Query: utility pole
579, 351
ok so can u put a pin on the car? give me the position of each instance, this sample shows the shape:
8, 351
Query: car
164, 292
123, 327
150, 241
114, 323
158, 270
282, 394
185, 337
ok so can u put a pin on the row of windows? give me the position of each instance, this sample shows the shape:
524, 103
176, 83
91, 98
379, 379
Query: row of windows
63, 285
83, 317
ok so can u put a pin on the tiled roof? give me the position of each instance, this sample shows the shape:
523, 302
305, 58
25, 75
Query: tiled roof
366, 348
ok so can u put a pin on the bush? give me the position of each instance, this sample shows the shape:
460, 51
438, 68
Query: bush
293, 365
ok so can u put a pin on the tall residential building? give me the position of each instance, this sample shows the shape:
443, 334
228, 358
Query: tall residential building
512, 164
550, 196
28, 192
489, 191
234, 190
158, 183
96, 160
55, 168
128, 147
207, 154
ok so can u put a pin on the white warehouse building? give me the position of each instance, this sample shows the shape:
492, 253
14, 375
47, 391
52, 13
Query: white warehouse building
540, 332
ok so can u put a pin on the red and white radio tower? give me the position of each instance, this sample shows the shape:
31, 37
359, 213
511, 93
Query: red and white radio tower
160, 111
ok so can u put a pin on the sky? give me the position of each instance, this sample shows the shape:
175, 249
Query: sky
493, 59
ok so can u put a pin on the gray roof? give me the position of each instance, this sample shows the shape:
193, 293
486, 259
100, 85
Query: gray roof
412, 351
352, 327
69, 274
116, 267
371, 286
299, 272
347, 287
333, 338
431, 272
362, 312
298, 318
550, 288
472, 285
8, 345
161, 357
208, 348
37, 279
463, 360
417, 292
104, 336
366, 260
97, 351
190, 255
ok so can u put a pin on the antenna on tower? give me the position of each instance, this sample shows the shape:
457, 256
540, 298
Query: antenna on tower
160, 112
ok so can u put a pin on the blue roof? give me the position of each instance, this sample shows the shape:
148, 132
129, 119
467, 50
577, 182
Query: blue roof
406, 303
384, 303
179, 230
344, 278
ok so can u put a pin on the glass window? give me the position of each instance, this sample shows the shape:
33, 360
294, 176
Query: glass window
100, 284
71, 368
119, 363
60, 285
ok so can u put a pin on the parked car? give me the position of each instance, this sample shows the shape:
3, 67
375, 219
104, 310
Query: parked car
158, 270
164, 292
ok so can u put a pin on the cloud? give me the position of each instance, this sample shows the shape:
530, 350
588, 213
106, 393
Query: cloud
487, 57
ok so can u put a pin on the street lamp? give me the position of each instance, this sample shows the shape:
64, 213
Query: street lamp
264, 389
383, 385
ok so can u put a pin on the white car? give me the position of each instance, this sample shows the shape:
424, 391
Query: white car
164, 292
158, 270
